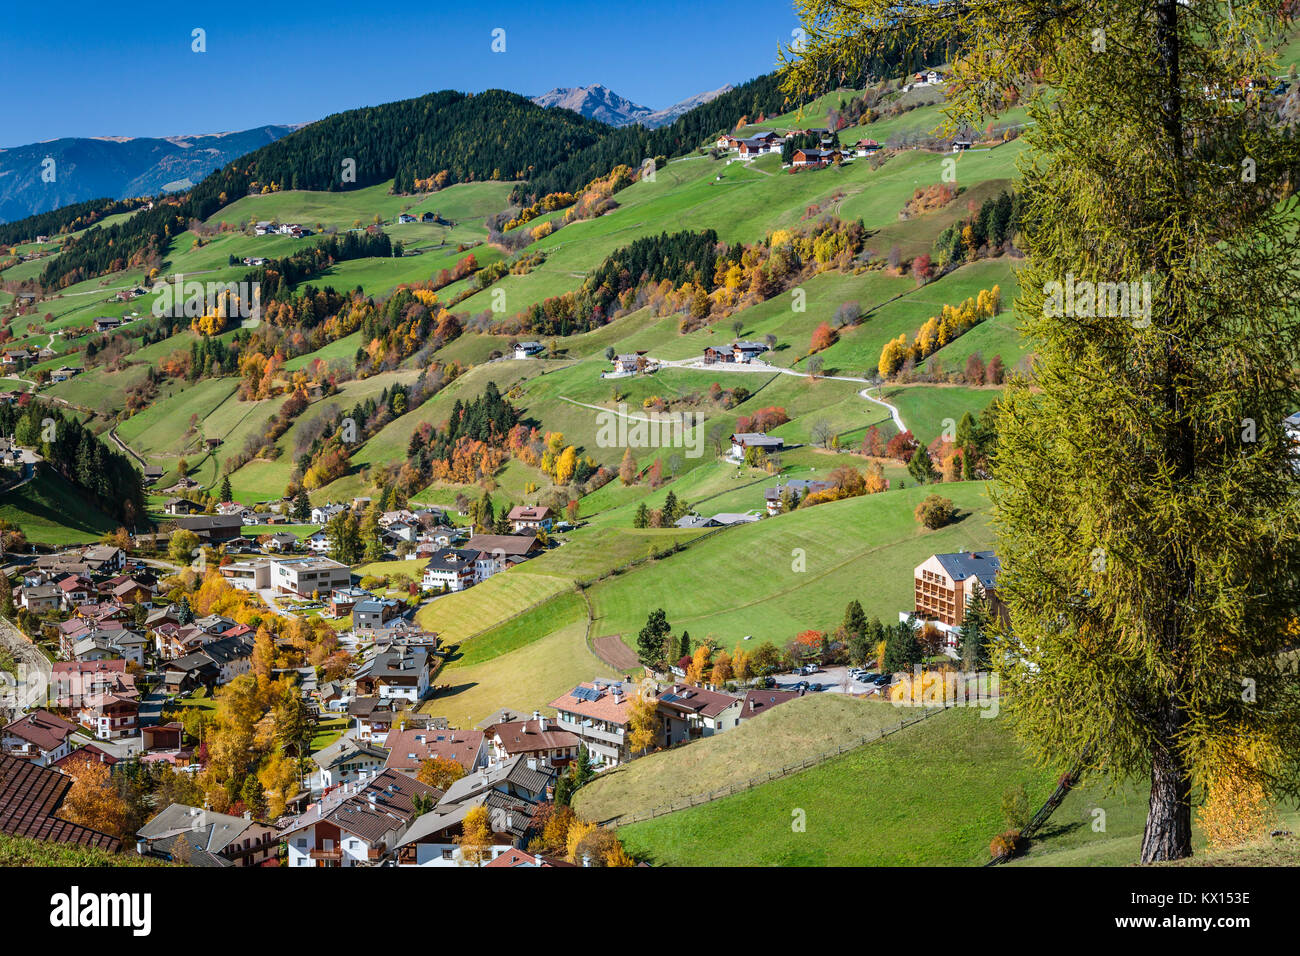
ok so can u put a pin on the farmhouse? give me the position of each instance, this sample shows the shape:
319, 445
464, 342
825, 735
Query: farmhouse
629, 364
743, 441
758, 144
212, 529
865, 147
497, 552
107, 324
530, 518
450, 568
747, 351
801, 487
814, 157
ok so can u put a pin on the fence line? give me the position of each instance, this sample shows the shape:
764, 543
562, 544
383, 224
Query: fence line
698, 799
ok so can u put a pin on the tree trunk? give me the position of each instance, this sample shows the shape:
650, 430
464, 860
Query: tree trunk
1168, 834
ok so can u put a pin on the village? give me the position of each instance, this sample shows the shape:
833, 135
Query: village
123, 666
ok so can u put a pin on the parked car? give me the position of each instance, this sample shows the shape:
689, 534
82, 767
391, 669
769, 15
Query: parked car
883, 680
814, 687
866, 677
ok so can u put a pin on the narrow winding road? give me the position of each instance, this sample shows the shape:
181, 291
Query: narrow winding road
764, 368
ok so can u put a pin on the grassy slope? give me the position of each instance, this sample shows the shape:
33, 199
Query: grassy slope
50, 511
792, 732
928, 796
745, 580
19, 851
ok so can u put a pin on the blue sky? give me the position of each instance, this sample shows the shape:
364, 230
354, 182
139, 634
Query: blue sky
97, 69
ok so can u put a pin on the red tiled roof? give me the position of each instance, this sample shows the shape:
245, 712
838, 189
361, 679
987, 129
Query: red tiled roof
603, 708
461, 746
42, 729
761, 701
524, 736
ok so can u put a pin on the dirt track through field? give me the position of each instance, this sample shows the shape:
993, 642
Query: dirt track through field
616, 654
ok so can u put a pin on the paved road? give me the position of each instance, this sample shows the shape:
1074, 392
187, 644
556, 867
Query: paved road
763, 368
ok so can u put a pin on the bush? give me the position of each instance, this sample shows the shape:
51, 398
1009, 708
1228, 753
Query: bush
1004, 845
935, 512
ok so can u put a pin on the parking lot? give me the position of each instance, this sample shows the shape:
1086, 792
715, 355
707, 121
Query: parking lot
832, 679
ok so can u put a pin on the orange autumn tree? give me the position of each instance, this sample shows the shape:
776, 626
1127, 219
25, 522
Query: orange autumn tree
94, 802
823, 337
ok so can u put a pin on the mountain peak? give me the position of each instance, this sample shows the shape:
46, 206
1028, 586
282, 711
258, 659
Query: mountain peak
599, 102
595, 102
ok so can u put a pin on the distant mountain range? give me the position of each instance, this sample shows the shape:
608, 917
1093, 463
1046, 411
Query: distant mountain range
116, 167
601, 103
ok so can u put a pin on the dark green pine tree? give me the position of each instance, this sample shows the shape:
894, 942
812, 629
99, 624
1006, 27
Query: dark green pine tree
1146, 507
226, 493
902, 649
921, 467
650, 642
972, 638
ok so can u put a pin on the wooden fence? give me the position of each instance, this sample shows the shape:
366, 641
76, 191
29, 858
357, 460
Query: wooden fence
743, 785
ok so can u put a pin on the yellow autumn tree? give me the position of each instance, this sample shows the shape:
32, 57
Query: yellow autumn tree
699, 661
643, 721
439, 772
893, 355
1237, 808
565, 465
577, 830
475, 840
